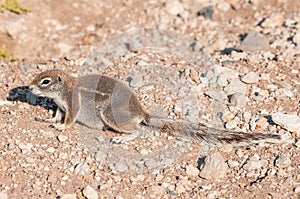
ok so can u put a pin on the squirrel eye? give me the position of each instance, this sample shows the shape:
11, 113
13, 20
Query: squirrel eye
45, 82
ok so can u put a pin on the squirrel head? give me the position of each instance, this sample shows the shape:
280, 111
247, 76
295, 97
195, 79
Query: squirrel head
51, 84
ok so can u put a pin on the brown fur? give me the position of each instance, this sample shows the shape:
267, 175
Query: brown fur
103, 102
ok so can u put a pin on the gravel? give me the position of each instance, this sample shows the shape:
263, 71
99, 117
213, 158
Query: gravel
228, 64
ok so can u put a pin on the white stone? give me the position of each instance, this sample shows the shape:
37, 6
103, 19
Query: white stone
50, 150
3, 195
250, 78
214, 167
90, 193
192, 171
290, 122
69, 196
62, 138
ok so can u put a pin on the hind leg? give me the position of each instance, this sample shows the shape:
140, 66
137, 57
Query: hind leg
123, 123
126, 138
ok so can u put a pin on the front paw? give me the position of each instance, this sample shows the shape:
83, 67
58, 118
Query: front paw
47, 120
60, 127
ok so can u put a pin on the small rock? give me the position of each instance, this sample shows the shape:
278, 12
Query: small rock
121, 167
3, 195
235, 86
214, 167
47, 133
100, 138
82, 167
64, 48
62, 138
28, 67
232, 124
192, 171
298, 144
228, 116
137, 81
296, 190
217, 95
156, 190
296, 37
25, 147
275, 20
255, 42
15, 28
283, 161
194, 75
232, 163
224, 6
69, 196
90, 193
253, 164
100, 156
50, 150
287, 121
175, 7
239, 100
250, 78
207, 12
247, 117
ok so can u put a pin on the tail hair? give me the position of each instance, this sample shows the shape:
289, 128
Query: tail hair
200, 132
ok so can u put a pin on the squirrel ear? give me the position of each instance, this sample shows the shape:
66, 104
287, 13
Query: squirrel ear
59, 79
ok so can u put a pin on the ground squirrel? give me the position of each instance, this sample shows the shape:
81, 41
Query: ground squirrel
101, 102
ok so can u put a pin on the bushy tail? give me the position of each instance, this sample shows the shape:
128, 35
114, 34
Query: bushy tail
199, 132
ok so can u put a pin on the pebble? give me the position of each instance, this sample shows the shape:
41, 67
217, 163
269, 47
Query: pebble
62, 138
25, 147
175, 7
192, 171
82, 167
224, 6
255, 42
69, 196
100, 156
194, 75
232, 124
3, 195
51, 150
250, 78
156, 190
207, 12
253, 164
15, 28
214, 167
137, 81
90, 193
64, 48
275, 20
283, 161
239, 100
228, 116
121, 167
290, 122
296, 37
232, 163
47, 133
235, 86
297, 190
217, 95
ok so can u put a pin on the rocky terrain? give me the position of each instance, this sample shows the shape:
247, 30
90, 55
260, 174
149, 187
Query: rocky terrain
229, 64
